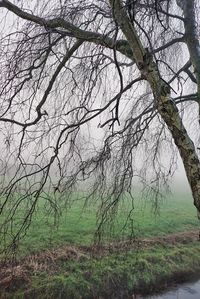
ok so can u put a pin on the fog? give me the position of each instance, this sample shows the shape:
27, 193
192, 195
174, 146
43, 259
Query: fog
90, 139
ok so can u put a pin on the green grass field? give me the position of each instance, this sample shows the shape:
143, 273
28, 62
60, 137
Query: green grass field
124, 272
77, 225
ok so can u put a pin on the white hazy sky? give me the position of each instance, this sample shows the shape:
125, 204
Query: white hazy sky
180, 181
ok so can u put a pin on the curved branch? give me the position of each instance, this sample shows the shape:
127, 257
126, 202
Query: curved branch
71, 30
47, 91
169, 44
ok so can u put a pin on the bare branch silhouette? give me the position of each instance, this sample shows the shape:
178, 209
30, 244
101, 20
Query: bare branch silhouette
92, 95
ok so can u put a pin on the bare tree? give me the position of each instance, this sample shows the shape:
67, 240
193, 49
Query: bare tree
88, 88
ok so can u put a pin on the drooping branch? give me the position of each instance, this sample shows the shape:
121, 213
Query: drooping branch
59, 95
71, 30
165, 106
47, 91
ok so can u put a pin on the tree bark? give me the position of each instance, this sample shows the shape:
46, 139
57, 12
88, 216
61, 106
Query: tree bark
166, 107
133, 49
192, 39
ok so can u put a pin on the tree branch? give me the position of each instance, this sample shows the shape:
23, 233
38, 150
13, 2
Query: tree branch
71, 30
47, 91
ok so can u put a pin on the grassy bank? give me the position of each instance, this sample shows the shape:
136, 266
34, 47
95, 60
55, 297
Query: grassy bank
117, 275
73, 270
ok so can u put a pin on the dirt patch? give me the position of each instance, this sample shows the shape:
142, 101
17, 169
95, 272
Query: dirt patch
13, 277
19, 274
181, 237
171, 239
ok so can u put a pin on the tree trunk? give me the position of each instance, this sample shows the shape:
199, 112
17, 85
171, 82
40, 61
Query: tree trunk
166, 107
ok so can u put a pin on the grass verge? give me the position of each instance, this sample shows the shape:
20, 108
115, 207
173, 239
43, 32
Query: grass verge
116, 275
75, 273
77, 226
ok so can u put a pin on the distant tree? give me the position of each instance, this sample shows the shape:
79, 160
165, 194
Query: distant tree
98, 91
